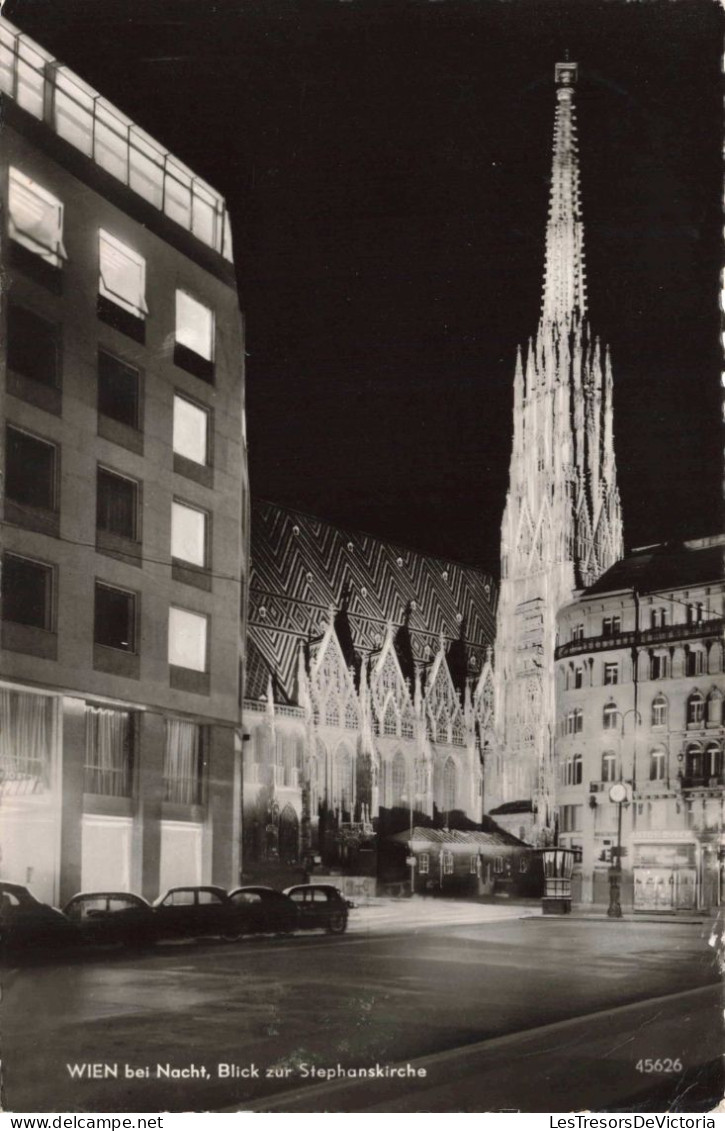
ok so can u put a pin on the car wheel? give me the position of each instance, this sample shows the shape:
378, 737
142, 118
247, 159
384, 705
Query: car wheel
337, 923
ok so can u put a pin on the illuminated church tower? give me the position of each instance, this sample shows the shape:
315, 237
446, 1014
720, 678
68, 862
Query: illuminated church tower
562, 524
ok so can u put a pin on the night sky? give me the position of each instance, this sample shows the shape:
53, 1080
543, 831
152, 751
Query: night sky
386, 166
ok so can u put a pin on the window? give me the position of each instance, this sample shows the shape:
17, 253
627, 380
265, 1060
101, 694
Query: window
27, 592
390, 719
191, 431
194, 326
609, 716
714, 708
657, 665
183, 763
577, 632
122, 275
115, 618
25, 742
659, 711
713, 760
611, 626
498, 864
694, 661
32, 346
609, 766
188, 639
695, 709
578, 676
473, 865
693, 762
109, 752
116, 504
35, 218
611, 673
188, 534
658, 617
447, 863
575, 721
30, 470
424, 863
657, 764
577, 770
118, 390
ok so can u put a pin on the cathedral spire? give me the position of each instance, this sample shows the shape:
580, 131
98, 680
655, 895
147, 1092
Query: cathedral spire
564, 297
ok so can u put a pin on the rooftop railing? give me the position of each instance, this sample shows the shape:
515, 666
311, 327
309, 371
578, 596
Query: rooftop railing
53, 94
659, 635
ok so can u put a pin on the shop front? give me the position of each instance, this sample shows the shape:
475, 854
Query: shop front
665, 874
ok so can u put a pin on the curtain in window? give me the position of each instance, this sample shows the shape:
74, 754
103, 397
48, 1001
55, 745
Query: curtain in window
35, 218
108, 752
122, 275
24, 742
182, 763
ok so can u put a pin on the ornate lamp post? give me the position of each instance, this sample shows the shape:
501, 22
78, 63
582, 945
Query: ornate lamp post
618, 796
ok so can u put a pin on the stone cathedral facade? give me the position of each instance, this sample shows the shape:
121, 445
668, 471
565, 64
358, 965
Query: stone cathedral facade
562, 525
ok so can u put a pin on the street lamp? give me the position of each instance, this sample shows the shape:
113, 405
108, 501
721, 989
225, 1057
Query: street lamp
617, 795
411, 858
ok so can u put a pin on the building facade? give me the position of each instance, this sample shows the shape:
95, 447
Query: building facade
562, 524
640, 685
369, 688
124, 500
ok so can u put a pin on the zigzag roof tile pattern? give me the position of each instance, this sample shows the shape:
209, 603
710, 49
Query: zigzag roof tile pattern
300, 565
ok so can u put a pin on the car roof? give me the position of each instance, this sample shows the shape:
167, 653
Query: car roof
309, 887
6, 885
197, 887
109, 895
262, 889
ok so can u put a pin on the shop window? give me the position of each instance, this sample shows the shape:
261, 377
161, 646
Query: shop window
183, 763
32, 344
30, 473
115, 618
118, 390
35, 218
108, 766
25, 742
27, 592
191, 431
116, 504
189, 534
188, 635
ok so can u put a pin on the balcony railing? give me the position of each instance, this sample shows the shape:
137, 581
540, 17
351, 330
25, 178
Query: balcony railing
53, 94
660, 635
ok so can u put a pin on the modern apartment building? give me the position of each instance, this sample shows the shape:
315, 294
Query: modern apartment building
125, 500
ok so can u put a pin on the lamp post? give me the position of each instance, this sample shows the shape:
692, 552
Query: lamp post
411, 858
617, 795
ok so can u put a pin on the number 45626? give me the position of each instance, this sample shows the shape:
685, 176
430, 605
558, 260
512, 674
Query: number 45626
663, 1065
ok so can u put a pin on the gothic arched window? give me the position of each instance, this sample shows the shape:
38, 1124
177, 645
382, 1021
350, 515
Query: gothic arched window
399, 777
449, 785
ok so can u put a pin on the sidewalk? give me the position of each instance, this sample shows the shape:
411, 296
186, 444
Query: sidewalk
377, 912
599, 911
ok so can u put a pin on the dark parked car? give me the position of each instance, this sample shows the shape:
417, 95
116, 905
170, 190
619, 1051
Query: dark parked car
111, 917
264, 909
26, 922
320, 905
193, 912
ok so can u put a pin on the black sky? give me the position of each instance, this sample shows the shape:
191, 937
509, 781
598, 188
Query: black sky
386, 167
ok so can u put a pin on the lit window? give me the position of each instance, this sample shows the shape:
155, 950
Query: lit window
187, 639
183, 762
122, 277
424, 863
191, 428
35, 218
194, 326
188, 534
108, 766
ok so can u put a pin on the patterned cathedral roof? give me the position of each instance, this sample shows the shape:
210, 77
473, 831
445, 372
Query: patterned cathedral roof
301, 567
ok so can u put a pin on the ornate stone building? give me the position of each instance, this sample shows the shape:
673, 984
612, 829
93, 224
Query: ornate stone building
562, 525
369, 688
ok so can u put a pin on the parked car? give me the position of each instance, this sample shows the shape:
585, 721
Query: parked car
111, 917
26, 922
264, 909
194, 912
320, 905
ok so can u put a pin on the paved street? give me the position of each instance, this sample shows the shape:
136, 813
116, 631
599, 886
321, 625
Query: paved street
460, 1001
